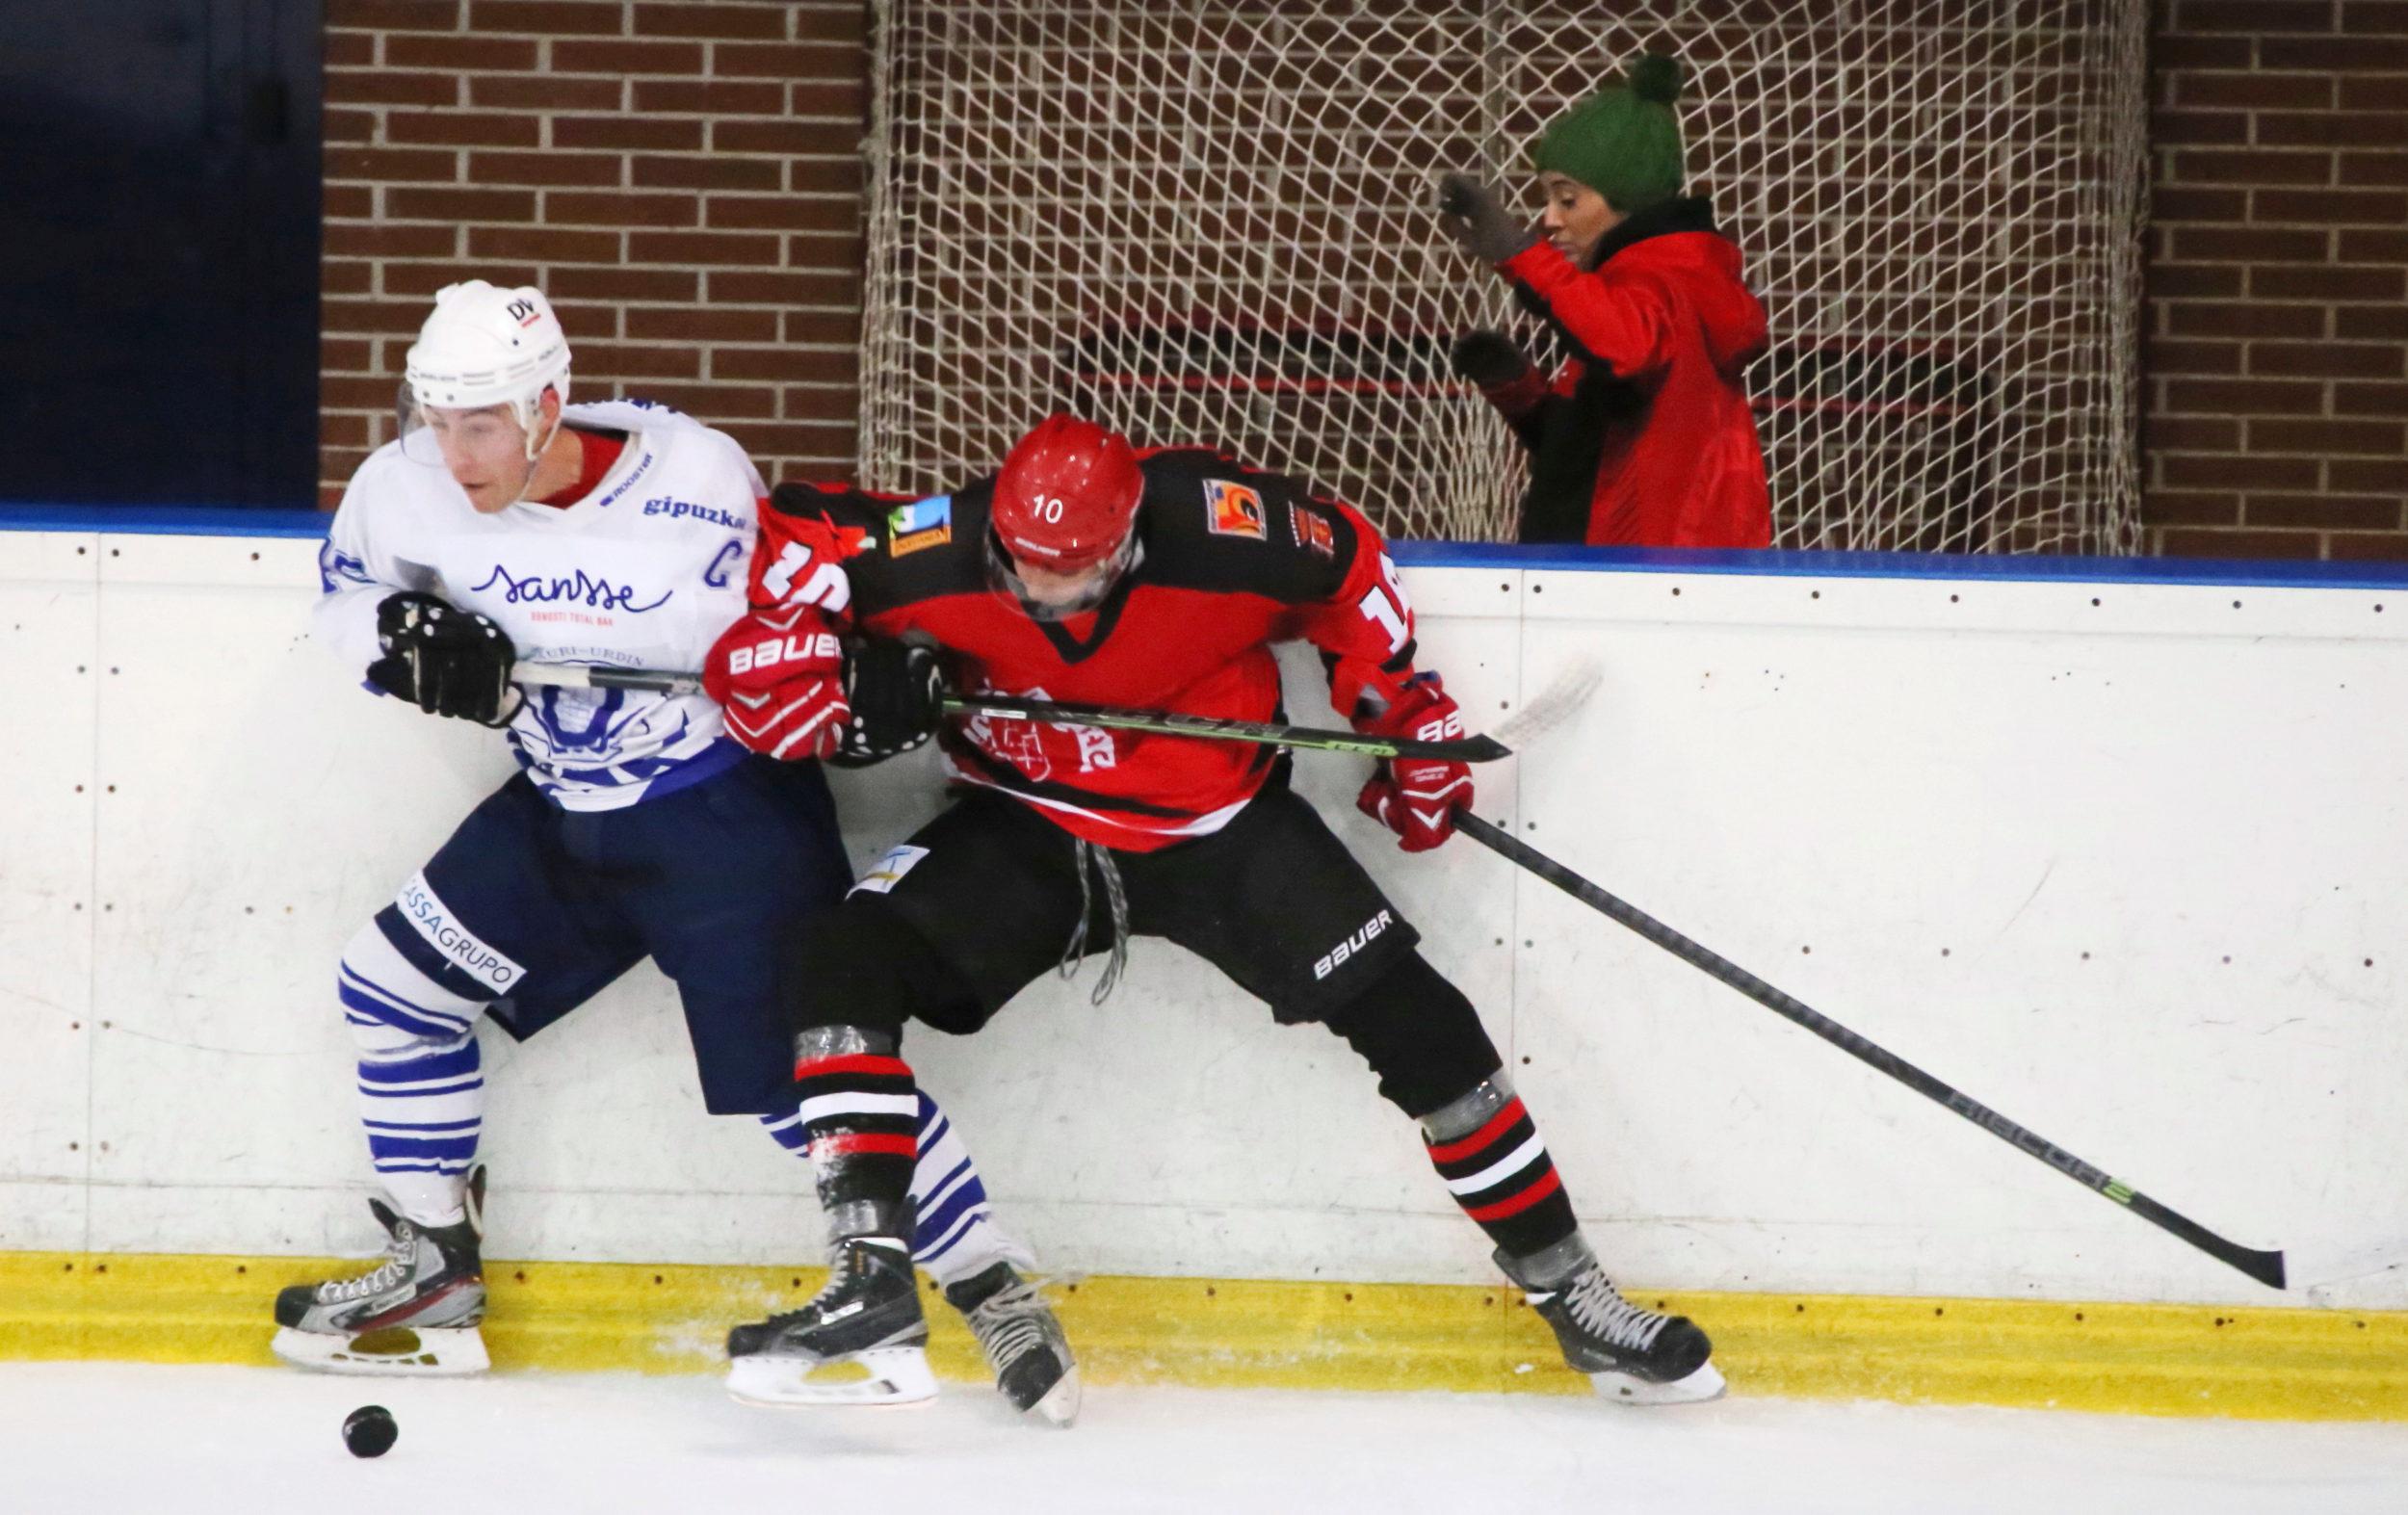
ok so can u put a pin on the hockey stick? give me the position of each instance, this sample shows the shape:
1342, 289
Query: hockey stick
1168, 723
2267, 1267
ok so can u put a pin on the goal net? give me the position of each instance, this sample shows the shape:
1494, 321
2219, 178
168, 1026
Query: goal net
1212, 223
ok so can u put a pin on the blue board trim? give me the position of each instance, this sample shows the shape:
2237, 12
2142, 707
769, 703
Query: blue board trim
224, 521
2220, 571
164, 520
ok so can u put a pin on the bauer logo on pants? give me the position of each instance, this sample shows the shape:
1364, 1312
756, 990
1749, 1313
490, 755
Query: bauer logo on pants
427, 913
1353, 944
888, 870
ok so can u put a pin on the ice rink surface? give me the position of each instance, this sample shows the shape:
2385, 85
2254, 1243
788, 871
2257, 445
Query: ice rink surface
111, 1437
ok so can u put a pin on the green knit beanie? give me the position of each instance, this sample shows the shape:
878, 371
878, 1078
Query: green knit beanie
1623, 142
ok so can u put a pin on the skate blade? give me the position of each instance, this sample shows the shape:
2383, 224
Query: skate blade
1060, 1405
397, 1351
1705, 1383
885, 1376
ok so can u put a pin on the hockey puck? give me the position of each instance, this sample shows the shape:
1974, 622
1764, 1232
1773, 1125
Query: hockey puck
369, 1431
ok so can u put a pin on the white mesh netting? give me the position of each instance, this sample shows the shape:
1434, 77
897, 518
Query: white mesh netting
1212, 223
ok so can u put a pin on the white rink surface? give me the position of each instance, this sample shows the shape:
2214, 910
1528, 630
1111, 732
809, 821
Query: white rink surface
108, 1437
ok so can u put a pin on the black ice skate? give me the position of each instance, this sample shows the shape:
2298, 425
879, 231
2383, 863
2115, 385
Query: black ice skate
1023, 1342
415, 1314
1634, 1356
860, 1341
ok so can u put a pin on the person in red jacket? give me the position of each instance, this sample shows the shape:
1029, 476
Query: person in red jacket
1643, 437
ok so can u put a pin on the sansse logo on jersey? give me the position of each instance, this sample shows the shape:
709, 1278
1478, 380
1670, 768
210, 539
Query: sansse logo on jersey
575, 588
687, 510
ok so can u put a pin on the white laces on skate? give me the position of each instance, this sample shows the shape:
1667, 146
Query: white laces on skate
399, 1253
1007, 1323
1598, 1308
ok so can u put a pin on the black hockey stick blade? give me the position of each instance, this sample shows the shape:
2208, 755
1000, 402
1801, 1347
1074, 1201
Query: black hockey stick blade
2267, 1267
1171, 722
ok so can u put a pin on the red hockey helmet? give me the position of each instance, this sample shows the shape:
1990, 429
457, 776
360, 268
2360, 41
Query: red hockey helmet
1067, 494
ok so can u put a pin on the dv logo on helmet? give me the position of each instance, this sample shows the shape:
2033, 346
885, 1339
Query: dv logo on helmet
524, 311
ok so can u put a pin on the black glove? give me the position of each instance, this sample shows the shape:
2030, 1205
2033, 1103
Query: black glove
897, 694
443, 660
1490, 360
1479, 222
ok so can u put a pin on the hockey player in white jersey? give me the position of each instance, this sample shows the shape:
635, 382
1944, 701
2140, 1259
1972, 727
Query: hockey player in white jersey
507, 524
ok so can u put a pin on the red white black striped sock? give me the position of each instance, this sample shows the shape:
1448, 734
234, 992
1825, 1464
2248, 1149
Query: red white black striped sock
1501, 1174
861, 1121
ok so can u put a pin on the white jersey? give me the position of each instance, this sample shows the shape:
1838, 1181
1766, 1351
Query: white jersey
645, 572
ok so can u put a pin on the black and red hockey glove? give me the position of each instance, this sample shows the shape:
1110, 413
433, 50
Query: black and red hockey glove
1417, 797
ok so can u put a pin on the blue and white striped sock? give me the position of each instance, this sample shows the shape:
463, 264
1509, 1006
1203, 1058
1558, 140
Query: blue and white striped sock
421, 1078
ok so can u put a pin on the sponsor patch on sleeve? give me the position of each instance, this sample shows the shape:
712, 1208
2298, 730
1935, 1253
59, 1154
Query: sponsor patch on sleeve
1232, 509
887, 872
1311, 528
922, 523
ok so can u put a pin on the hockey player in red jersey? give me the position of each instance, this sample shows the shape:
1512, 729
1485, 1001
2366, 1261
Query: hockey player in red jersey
1086, 572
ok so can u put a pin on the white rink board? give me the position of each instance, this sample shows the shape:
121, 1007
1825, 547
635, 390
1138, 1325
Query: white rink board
2116, 869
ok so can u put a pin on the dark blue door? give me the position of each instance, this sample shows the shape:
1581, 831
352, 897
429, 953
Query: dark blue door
159, 210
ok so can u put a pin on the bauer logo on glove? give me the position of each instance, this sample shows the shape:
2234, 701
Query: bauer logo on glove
820, 648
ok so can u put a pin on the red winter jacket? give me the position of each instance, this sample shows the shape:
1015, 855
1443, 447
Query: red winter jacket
1646, 438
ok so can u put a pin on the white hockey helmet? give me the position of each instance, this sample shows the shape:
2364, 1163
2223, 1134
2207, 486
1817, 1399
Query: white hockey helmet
484, 346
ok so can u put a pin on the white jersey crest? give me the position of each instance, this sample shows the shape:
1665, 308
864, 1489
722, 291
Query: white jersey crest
643, 573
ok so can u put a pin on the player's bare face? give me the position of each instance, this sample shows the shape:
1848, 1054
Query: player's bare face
1577, 217
485, 451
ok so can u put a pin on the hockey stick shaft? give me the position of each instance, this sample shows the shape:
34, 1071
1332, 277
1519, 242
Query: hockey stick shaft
1167, 722
2267, 1267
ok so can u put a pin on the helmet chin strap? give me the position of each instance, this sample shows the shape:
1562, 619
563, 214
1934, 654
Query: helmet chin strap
1005, 581
535, 451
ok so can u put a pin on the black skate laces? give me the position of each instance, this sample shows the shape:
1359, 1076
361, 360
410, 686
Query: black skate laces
842, 1268
1009, 1323
1593, 1302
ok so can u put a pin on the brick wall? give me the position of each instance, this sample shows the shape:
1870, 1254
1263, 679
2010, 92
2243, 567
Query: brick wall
682, 177
2277, 358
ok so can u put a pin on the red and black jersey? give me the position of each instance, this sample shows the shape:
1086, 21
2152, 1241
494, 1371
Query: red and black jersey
1230, 561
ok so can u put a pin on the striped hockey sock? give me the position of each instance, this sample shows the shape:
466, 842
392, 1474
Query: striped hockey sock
955, 1235
421, 1076
1488, 1152
859, 1115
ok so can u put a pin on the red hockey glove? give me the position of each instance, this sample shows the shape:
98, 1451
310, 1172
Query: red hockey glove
1417, 797
779, 676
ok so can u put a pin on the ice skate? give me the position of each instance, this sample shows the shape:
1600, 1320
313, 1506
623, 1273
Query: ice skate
1634, 1356
1024, 1344
861, 1340
416, 1313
